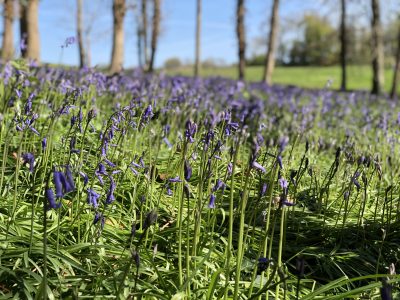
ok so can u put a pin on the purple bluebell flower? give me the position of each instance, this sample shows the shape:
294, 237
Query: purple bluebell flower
354, 179
211, 204
57, 175
133, 170
191, 129
92, 198
110, 194
187, 170
69, 178
219, 185
19, 93
175, 179
263, 189
85, 178
33, 129
279, 159
283, 183
167, 142
52, 202
263, 264
44, 143
229, 168
97, 217
283, 142
259, 167
29, 158
169, 191
108, 162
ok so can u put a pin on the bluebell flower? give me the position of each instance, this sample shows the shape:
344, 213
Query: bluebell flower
29, 158
85, 178
175, 179
57, 175
191, 129
69, 179
110, 194
259, 167
263, 189
44, 143
283, 183
97, 217
219, 185
263, 264
92, 198
229, 168
211, 204
167, 142
50, 197
111, 164
187, 170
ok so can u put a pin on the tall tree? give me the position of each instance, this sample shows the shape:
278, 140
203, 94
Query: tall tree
241, 37
198, 32
29, 29
144, 32
396, 74
7, 48
377, 49
343, 45
273, 31
79, 29
117, 56
155, 33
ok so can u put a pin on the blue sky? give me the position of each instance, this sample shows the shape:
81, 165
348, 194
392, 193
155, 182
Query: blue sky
57, 22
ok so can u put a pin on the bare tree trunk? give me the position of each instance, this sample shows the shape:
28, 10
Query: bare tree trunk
273, 31
241, 37
117, 56
377, 49
29, 29
155, 33
198, 32
144, 33
343, 46
7, 51
396, 74
23, 29
82, 55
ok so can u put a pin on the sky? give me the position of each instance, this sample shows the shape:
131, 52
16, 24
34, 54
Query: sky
218, 38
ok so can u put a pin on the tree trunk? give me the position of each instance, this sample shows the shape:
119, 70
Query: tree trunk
117, 57
7, 52
241, 37
343, 46
396, 74
377, 49
82, 55
144, 33
154, 35
273, 31
29, 29
198, 32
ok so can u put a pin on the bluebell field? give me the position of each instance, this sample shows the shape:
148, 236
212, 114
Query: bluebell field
138, 186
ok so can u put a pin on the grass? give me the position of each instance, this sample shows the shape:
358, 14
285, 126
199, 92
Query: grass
359, 77
138, 186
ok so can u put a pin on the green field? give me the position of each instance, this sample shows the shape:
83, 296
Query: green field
359, 77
